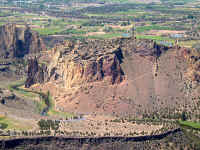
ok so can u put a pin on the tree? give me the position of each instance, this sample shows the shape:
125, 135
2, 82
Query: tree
41, 7
183, 116
3, 126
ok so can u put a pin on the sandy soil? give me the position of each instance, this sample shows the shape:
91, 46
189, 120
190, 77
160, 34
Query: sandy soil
120, 27
95, 33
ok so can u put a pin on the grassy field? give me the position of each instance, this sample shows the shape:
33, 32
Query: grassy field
190, 133
73, 31
48, 31
148, 17
190, 124
10, 123
156, 38
18, 88
152, 27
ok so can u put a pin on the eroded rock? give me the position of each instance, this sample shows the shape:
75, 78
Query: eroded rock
77, 63
17, 41
36, 73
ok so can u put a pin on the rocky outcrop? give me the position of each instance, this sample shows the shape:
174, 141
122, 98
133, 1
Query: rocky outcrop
6, 95
119, 76
77, 63
152, 142
36, 73
17, 42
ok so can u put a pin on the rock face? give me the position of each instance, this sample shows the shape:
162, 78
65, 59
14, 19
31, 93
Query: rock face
155, 142
17, 42
118, 76
36, 73
193, 58
78, 63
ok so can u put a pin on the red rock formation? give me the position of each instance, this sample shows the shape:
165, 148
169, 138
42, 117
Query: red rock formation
36, 73
17, 42
112, 77
75, 66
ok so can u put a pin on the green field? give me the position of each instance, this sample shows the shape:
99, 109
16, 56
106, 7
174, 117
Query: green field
190, 124
156, 38
48, 31
8, 123
152, 27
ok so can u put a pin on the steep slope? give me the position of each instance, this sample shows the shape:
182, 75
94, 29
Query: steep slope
17, 42
176, 138
120, 76
76, 64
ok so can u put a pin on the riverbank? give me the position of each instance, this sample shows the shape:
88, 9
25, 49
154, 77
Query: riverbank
45, 105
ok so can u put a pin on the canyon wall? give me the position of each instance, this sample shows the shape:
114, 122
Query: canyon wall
17, 41
77, 63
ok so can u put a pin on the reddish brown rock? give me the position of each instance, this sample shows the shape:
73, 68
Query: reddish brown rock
121, 76
75, 64
17, 41
36, 73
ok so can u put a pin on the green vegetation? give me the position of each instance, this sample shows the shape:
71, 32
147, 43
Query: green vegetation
156, 38
190, 124
48, 124
7, 123
15, 87
83, 20
44, 105
191, 131
48, 31
178, 2
73, 31
152, 27
3, 124
51, 107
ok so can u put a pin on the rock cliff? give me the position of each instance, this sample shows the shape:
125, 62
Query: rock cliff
17, 41
193, 58
112, 76
77, 63
36, 73
155, 142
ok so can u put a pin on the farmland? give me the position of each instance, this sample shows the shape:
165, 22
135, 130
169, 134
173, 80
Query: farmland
86, 21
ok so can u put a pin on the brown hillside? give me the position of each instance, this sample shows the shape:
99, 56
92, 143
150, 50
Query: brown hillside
119, 76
